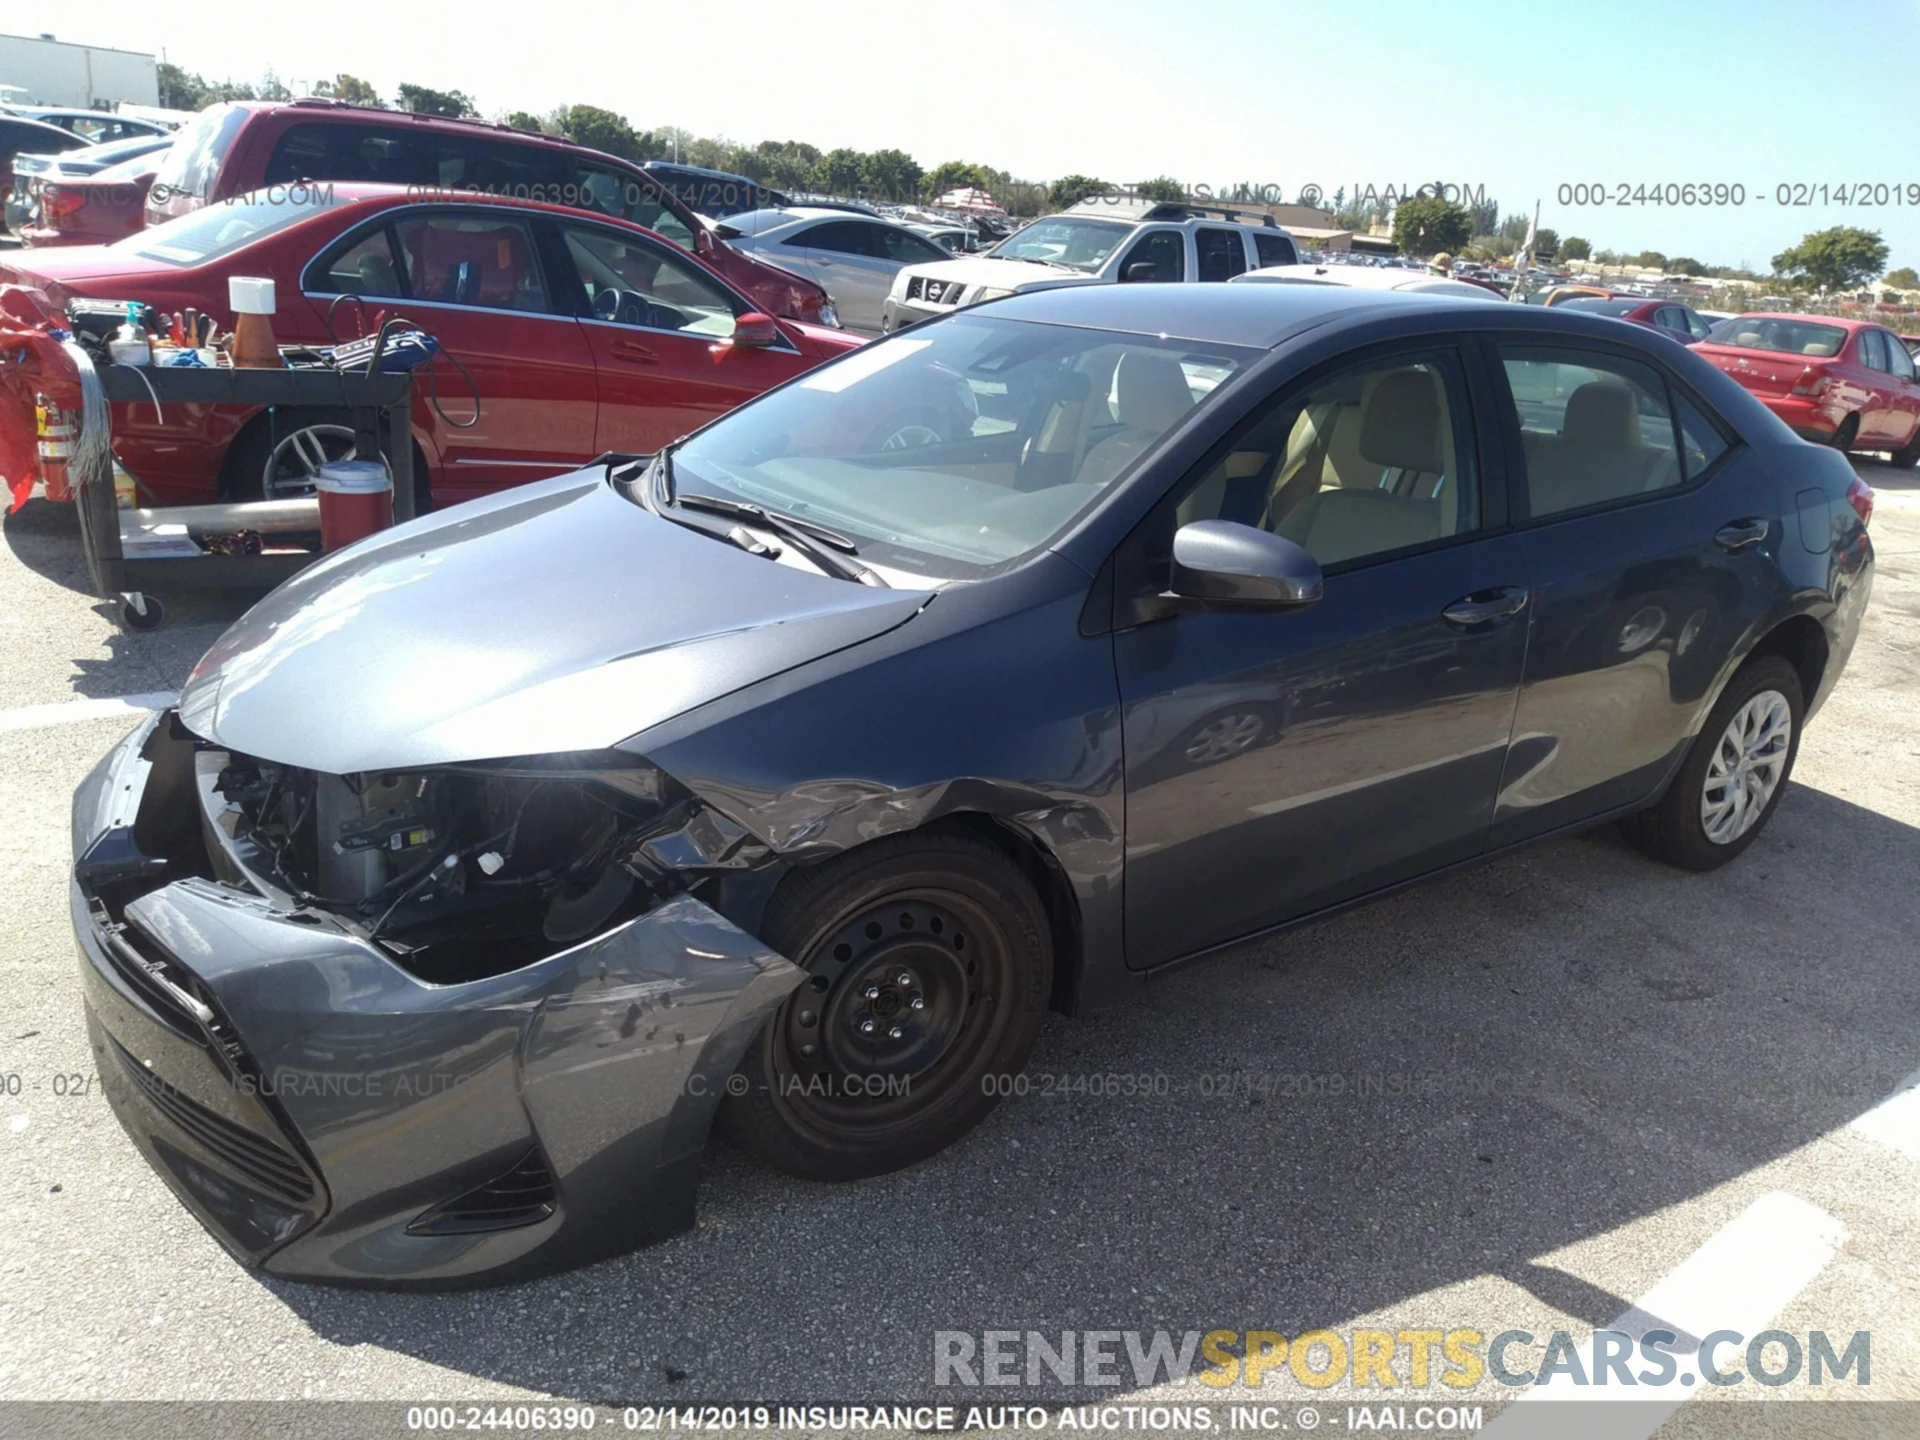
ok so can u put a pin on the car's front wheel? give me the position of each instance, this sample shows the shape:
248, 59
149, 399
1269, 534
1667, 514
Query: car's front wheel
1734, 775
928, 965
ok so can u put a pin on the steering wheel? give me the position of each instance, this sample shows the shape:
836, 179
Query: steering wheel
630, 307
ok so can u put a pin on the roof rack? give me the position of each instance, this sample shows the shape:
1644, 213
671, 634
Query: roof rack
1181, 210
328, 102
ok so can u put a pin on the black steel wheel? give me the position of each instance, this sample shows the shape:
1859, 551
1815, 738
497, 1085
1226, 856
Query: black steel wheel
928, 967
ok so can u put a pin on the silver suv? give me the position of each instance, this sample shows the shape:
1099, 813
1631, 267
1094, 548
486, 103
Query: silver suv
1096, 242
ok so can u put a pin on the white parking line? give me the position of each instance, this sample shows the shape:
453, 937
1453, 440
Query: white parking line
71, 712
1745, 1275
1895, 1121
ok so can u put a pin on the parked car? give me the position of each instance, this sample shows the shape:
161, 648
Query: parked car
1670, 317
1844, 383
90, 209
954, 239
29, 137
95, 127
856, 257
1095, 242
237, 148
31, 171
835, 764
1356, 277
582, 333
715, 193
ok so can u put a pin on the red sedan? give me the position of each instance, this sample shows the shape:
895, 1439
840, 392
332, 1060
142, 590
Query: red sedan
91, 209
582, 334
1844, 383
1669, 317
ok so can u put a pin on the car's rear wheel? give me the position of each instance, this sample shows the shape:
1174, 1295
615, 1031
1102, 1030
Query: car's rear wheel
1735, 773
1908, 455
1848, 432
277, 456
928, 968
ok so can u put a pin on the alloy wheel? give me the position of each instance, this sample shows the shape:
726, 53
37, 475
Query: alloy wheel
294, 464
1748, 762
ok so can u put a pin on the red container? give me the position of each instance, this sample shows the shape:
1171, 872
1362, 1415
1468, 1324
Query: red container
356, 500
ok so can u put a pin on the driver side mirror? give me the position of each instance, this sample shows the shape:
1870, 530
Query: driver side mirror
1140, 272
1229, 566
755, 331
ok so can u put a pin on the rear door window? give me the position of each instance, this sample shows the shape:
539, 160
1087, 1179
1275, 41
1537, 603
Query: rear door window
905, 246
843, 237
367, 266
1594, 429
1873, 351
1219, 254
1899, 359
483, 261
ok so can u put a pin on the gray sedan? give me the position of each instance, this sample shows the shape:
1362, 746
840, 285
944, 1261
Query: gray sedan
854, 256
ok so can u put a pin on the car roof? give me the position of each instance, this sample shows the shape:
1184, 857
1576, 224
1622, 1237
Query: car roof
370, 193
1365, 277
1263, 316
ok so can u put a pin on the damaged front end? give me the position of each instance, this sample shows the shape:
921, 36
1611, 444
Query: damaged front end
448, 1025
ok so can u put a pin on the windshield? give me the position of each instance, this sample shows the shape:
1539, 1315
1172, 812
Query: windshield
1077, 244
957, 449
1794, 337
197, 150
223, 227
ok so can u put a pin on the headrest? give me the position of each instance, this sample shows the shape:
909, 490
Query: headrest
1400, 426
1150, 392
1602, 415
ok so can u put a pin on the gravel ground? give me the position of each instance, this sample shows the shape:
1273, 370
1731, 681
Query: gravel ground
1627, 1056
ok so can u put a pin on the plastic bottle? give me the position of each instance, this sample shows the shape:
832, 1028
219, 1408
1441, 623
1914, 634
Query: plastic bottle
129, 345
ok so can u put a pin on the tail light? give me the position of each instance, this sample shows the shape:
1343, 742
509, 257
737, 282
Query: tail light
57, 204
1860, 496
1812, 381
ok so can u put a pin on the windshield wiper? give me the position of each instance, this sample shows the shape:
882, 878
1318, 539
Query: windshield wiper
816, 542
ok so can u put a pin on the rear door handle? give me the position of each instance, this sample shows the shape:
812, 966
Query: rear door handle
1485, 607
1738, 534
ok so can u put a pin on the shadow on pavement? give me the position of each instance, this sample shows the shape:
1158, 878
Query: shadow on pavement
1580, 1037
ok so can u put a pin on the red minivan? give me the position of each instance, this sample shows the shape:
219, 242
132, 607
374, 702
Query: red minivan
574, 332
1845, 383
239, 147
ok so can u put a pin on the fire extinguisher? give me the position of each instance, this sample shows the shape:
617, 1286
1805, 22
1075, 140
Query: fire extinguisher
56, 430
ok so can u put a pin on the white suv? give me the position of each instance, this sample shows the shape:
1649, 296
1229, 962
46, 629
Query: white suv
1096, 242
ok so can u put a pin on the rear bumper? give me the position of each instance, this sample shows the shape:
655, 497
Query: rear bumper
1805, 416
329, 1117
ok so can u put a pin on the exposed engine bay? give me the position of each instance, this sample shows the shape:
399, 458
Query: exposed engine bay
466, 871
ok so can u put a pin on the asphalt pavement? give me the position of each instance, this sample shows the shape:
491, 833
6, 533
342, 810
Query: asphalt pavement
1604, 1067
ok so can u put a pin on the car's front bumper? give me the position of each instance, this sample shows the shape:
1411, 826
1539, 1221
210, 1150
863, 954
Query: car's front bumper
897, 314
329, 1116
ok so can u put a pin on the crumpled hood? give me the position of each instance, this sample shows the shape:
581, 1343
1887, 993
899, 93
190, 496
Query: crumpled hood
556, 616
1001, 274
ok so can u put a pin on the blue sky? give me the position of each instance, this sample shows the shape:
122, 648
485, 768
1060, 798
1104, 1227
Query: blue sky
1519, 98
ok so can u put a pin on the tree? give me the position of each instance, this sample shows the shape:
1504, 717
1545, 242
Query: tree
1904, 278
956, 175
1843, 258
1685, 265
1485, 215
179, 90
1070, 190
1161, 187
1575, 248
601, 130
890, 175
1426, 226
1513, 231
424, 101
1546, 243
273, 88
350, 90
1650, 260
789, 164
526, 120
839, 172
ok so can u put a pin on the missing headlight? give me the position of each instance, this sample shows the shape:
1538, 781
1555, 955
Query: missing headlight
465, 871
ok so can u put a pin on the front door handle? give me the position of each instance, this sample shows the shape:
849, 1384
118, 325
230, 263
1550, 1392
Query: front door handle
629, 350
1738, 534
1486, 607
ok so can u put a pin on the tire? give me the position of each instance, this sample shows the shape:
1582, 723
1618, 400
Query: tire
1908, 455
1844, 437
1676, 829
945, 918
279, 438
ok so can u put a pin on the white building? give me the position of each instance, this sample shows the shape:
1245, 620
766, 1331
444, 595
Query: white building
44, 71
